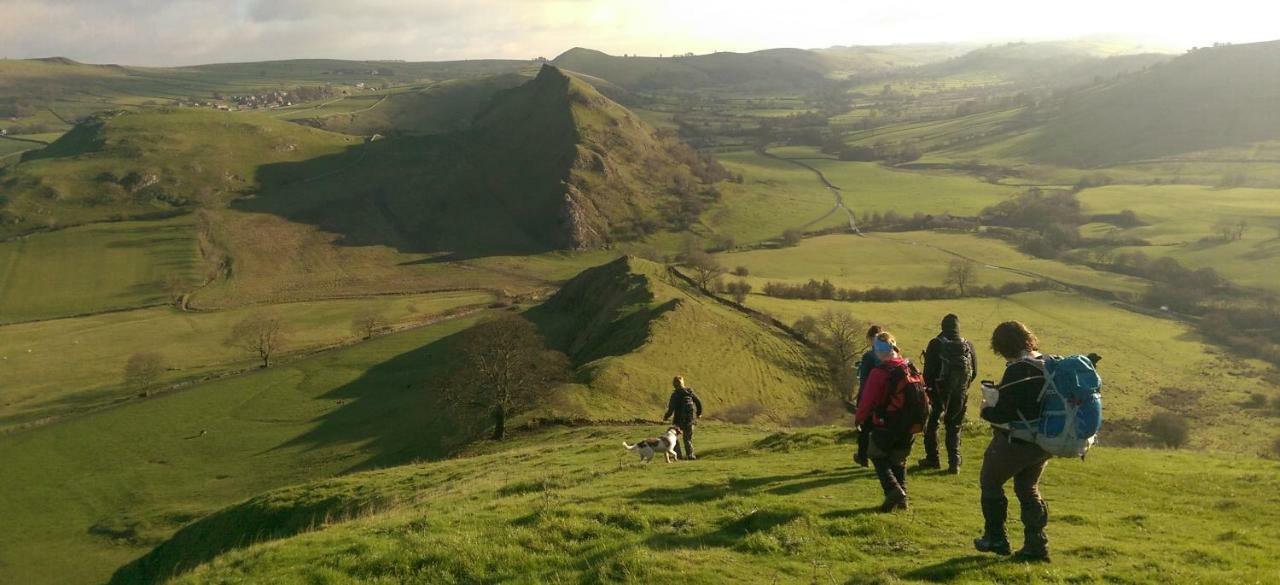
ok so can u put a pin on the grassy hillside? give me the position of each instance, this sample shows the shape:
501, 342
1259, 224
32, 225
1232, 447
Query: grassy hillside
629, 326
437, 108
1208, 98
769, 68
757, 508
40, 389
122, 165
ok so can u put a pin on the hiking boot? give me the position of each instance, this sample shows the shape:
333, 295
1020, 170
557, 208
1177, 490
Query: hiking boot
894, 501
991, 545
861, 459
1026, 555
953, 470
928, 463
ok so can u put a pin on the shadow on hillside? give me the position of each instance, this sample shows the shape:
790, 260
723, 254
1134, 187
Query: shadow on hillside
773, 484
401, 192
952, 569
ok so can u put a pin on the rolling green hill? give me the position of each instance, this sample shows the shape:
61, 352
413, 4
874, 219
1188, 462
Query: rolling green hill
758, 507
770, 68
121, 165
1208, 98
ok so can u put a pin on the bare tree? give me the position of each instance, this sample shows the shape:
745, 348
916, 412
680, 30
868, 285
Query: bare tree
365, 324
175, 285
705, 268
143, 369
960, 274
504, 368
739, 290
261, 334
792, 237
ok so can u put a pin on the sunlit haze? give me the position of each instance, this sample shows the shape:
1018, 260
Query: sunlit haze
146, 32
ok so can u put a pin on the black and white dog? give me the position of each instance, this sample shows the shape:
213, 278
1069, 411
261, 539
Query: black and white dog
665, 444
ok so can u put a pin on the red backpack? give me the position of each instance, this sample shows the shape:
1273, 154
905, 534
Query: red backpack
905, 410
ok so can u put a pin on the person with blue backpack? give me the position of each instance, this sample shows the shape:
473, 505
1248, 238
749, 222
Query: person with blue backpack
1044, 406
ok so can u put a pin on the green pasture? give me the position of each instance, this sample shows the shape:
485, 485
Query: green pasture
95, 268
756, 507
1150, 364
898, 260
104, 489
869, 187
774, 196
1180, 223
63, 366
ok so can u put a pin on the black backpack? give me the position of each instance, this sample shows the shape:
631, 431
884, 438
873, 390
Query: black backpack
957, 363
911, 417
686, 409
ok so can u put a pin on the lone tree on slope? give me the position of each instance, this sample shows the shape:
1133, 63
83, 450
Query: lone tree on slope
261, 334
365, 324
143, 369
705, 268
960, 274
504, 368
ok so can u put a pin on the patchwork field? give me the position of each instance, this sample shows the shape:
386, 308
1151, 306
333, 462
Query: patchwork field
757, 507
34, 356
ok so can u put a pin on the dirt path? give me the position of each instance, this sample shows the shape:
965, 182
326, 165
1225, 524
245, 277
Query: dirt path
835, 191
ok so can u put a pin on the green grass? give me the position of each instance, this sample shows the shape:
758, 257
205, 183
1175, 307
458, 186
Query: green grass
775, 196
94, 268
104, 489
41, 388
871, 187
1181, 217
898, 260
755, 508
1150, 364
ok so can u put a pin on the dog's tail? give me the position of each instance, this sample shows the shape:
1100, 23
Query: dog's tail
630, 447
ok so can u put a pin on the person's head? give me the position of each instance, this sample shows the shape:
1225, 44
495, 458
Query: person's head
885, 346
873, 331
1011, 339
678, 382
951, 323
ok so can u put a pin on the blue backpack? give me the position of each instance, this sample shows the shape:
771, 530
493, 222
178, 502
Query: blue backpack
1070, 407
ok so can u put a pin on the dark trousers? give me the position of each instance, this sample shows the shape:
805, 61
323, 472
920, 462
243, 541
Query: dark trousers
1024, 463
949, 409
889, 458
686, 428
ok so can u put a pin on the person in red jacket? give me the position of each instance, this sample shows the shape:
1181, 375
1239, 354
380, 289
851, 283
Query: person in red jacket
888, 449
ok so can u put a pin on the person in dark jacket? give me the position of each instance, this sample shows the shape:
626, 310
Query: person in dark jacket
687, 409
867, 362
888, 450
950, 366
1008, 457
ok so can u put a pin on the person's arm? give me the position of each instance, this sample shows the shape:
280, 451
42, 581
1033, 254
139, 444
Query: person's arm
865, 366
932, 363
696, 403
973, 361
1017, 379
872, 395
671, 407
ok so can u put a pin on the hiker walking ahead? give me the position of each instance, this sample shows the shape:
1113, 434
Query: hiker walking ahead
686, 407
950, 366
1012, 458
895, 407
865, 365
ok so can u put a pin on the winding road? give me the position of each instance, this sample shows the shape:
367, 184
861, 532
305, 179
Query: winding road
835, 191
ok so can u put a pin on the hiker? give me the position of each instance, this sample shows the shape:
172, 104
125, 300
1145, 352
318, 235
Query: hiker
894, 406
686, 407
950, 366
865, 365
1008, 457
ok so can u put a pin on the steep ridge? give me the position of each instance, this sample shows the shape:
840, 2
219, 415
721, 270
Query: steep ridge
630, 325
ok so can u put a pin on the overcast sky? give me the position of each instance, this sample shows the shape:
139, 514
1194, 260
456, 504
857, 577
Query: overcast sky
177, 32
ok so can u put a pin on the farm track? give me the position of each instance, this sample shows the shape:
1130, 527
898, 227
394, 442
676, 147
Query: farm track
835, 191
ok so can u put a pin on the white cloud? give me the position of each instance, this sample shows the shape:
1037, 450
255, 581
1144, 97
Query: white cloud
159, 32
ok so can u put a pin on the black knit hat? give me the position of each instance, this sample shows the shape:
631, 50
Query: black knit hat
951, 323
